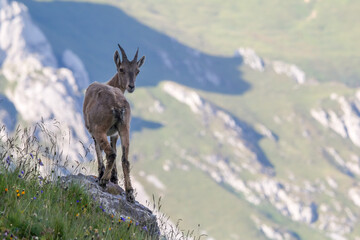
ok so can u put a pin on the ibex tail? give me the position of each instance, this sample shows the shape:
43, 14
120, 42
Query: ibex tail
119, 114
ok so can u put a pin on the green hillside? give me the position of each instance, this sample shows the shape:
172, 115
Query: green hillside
223, 211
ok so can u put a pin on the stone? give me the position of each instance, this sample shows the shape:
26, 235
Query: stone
251, 58
113, 200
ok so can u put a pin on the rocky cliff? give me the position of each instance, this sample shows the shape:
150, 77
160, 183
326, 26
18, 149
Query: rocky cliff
33, 82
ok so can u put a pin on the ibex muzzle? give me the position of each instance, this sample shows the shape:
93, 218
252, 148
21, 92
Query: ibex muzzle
107, 113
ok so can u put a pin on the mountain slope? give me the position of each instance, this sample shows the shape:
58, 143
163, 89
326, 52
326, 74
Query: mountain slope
247, 147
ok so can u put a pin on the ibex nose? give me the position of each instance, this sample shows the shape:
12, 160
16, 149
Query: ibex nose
131, 87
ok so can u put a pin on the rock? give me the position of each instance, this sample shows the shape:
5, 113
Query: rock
351, 118
20, 38
330, 120
332, 183
229, 130
37, 88
345, 122
73, 62
354, 194
337, 161
275, 232
262, 129
284, 200
157, 107
251, 58
113, 200
290, 70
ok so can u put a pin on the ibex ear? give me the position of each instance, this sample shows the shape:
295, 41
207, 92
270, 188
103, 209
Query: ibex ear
117, 59
141, 61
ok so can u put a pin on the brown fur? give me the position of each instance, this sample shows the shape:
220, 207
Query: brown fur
107, 113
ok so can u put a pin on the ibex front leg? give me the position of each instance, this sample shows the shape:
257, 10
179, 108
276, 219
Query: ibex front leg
124, 135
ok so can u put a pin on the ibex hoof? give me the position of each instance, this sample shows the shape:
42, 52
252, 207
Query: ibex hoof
103, 182
101, 173
130, 196
114, 180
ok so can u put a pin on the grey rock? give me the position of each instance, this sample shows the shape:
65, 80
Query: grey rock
285, 200
346, 122
38, 89
232, 131
251, 58
354, 194
290, 70
113, 200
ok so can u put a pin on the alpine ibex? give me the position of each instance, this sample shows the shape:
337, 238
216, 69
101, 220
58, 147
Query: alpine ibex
107, 113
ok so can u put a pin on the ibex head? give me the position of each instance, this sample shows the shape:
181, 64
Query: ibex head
127, 70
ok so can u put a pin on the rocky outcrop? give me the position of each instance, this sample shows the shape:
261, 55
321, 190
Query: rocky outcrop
255, 62
354, 194
113, 200
349, 166
74, 63
290, 70
251, 58
345, 121
229, 130
282, 198
225, 171
275, 232
21, 39
32, 80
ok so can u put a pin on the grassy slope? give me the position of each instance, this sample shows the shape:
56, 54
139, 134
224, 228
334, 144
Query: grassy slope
50, 211
325, 46
293, 153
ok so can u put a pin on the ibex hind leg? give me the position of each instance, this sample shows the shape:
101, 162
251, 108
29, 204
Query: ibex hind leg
110, 157
101, 167
124, 135
114, 174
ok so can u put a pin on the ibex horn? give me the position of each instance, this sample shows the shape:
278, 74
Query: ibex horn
116, 57
124, 57
136, 55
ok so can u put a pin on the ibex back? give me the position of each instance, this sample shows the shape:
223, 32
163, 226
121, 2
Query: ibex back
107, 113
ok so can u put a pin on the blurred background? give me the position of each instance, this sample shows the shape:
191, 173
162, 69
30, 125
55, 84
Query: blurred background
246, 116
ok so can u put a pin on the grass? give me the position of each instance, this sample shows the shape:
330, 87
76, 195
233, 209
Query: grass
47, 210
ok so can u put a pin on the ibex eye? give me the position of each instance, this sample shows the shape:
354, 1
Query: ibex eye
122, 70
